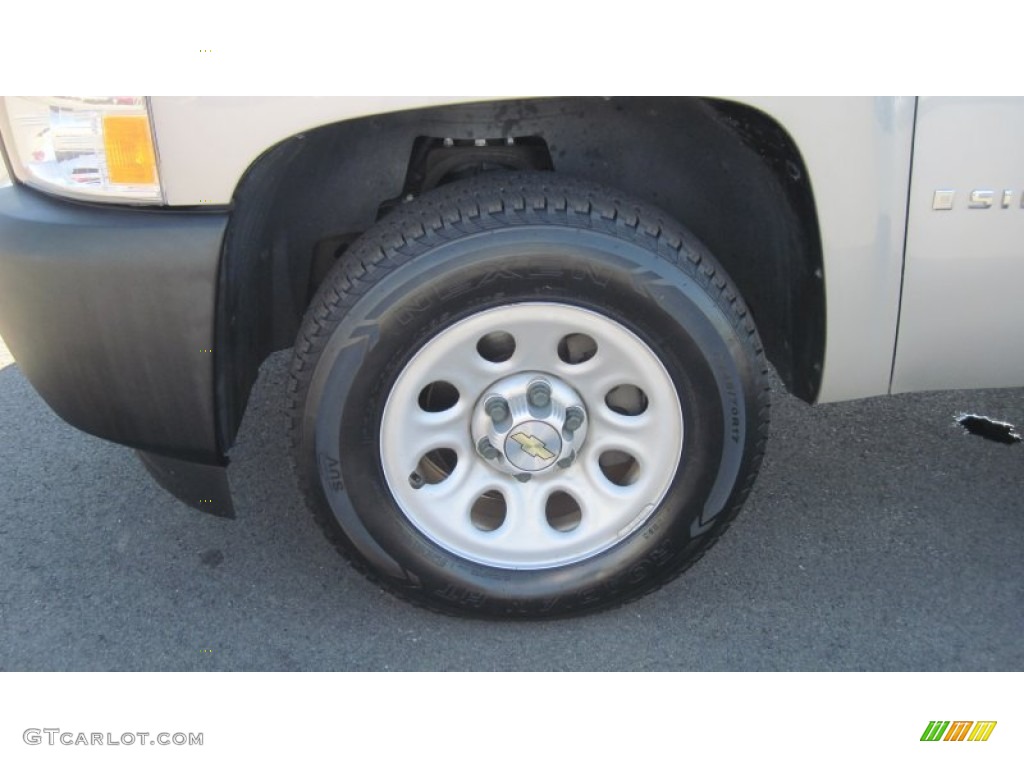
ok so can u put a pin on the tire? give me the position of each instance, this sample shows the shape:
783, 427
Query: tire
523, 395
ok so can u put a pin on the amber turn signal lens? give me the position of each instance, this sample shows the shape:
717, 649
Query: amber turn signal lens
129, 149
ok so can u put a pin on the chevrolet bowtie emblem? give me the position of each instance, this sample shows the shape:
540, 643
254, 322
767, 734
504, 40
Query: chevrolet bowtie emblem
532, 446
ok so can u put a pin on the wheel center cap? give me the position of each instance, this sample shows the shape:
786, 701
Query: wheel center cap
528, 424
533, 446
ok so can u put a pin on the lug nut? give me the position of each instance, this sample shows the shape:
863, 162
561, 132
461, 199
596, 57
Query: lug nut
573, 419
497, 409
485, 449
567, 461
539, 394
523, 477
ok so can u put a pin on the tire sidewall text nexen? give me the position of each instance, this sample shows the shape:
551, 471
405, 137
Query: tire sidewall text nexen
440, 283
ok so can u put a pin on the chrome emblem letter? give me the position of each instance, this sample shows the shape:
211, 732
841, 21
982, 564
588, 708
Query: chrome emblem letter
943, 200
982, 198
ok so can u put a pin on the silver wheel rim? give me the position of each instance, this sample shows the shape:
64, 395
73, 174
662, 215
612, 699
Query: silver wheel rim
609, 474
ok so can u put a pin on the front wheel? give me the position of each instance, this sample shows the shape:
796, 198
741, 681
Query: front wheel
524, 395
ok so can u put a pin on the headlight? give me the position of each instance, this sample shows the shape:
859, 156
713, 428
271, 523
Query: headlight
86, 147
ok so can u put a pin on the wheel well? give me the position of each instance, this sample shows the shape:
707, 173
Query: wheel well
728, 172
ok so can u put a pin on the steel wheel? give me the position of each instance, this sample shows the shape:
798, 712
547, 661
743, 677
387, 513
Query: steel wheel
523, 490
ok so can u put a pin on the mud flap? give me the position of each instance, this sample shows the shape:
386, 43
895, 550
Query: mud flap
201, 486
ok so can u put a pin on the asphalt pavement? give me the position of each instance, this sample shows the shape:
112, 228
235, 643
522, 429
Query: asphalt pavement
879, 536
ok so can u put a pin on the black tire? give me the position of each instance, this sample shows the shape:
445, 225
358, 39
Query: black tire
495, 241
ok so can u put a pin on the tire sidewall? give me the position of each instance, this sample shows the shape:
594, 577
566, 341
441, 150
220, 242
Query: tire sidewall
666, 305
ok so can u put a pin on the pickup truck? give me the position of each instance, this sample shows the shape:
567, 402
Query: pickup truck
531, 336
